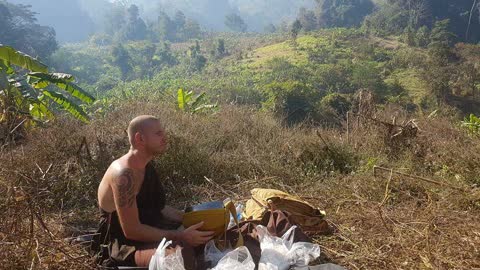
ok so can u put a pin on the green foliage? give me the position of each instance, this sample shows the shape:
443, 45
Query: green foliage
388, 19
290, 80
294, 101
121, 59
101, 40
408, 36
343, 13
11, 56
235, 23
307, 19
191, 30
188, 103
218, 51
367, 76
178, 29
472, 124
335, 78
422, 37
338, 102
295, 29
441, 35
115, 19
127, 25
270, 28
135, 28
164, 55
163, 29
31, 94
195, 60
393, 16
39, 80
19, 29
317, 159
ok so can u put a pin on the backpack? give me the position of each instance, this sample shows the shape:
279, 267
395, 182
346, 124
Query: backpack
302, 213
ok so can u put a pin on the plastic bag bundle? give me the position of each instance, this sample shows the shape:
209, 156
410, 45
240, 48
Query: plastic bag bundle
172, 262
237, 259
213, 254
280, 253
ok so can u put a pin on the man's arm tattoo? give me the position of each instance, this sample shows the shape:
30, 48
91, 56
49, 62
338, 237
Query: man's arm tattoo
125, 187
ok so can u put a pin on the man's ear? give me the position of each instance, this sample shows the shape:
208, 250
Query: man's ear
138, 137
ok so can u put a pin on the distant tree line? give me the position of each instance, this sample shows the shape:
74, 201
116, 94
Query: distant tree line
395, 17
124, 23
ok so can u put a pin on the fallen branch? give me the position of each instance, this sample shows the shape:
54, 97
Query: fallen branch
228, 193
417, 177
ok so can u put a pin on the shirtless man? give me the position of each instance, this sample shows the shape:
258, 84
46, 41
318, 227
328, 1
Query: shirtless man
122, 182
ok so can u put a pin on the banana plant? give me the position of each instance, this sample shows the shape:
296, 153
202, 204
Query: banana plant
28, 89
193, 104
472, 124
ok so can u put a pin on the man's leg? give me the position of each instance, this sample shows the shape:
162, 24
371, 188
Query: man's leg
143, 256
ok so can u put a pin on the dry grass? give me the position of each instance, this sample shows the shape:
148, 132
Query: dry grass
410, 225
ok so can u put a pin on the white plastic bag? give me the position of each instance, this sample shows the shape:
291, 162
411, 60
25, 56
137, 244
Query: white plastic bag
213, 254
237, 259
281, 253
172, 262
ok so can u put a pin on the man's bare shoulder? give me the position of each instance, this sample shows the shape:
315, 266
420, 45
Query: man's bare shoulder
116, 174
121, 179
116, 169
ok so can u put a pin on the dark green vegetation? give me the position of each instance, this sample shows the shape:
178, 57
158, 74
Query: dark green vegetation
310, 107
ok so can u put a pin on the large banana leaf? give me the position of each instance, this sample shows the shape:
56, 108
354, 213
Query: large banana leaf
5, 67
25, 90
183, 98
14, 57
198, 100
39, 111
68, 105
205, 107
61, 80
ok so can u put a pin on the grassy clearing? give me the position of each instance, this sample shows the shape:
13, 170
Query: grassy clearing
296, 54
419, 225
410, 80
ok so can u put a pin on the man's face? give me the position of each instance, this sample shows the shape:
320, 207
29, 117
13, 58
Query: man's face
154, 138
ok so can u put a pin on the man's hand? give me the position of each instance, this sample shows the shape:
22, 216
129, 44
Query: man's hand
194, 237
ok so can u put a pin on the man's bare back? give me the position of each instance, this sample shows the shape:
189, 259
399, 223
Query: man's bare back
130, 188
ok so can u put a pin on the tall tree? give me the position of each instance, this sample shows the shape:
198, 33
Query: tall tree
135, 28
295, 29
115, 19
179, 20
192, 29
165, 27
121, 59
235, 23
343, 13
19, 28
308, 19
395, 15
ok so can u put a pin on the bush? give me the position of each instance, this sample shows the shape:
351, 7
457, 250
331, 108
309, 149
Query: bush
292, 100
338, 102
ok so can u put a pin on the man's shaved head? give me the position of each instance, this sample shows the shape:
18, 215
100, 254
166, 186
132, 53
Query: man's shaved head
140, 124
